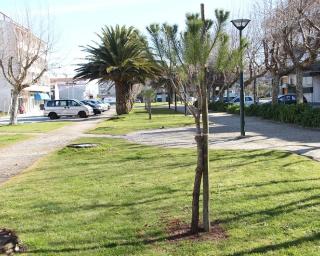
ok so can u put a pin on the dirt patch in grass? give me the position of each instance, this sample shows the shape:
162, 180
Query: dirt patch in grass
178, 230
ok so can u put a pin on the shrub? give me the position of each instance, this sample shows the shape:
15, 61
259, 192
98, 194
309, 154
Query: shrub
218, 106
301, 114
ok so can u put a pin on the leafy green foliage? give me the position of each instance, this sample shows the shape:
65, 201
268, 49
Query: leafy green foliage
121, 56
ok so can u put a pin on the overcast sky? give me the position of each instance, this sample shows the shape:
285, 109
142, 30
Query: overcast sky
75, 22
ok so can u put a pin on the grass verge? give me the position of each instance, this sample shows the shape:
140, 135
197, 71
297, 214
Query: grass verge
138, 120
118, 198
33, 127
6, 140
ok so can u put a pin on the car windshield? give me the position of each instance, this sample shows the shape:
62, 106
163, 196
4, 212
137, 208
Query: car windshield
79, 102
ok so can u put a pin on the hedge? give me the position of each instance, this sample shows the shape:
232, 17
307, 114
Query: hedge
300, 114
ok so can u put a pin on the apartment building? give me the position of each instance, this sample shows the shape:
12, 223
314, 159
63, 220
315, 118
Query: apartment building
68, 88
16, 42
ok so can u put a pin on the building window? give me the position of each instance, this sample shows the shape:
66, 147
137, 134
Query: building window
308, 90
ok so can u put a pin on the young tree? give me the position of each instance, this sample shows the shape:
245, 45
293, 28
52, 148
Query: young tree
122, 56
167, 59
189, 77
148, 96
23, 57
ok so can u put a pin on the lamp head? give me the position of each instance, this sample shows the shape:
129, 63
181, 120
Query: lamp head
240, 24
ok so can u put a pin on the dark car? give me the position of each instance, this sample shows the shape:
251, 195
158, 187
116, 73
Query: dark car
96, 108
225, 99
289, 99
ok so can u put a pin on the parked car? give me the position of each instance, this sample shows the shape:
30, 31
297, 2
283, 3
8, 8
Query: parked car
289, 99
137, 101
54, 109
109, 100
191, 100
248, 100
104, 106
284, 99
225, 99
97, 109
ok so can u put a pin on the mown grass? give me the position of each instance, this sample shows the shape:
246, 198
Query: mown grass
6, 139
117, 199
138, 120
33, 127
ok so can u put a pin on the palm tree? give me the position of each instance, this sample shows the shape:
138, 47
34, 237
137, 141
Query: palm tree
123, 57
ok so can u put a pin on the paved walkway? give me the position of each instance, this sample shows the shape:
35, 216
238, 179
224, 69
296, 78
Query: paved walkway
22, 155
224, 134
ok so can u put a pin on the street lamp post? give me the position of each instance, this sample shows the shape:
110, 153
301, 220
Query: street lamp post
240, 24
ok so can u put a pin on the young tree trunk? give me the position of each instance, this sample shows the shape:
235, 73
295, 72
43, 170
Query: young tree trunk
205, 144
228, 94
275, 88
197, 180
124, 100
175, 101
255, 96
149, 110
299, 85
221, 92
14, 107
170, 96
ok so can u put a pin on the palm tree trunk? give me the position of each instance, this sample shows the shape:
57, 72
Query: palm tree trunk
124, 100
14, 107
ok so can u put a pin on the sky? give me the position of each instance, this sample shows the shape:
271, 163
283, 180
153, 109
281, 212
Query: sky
74, 23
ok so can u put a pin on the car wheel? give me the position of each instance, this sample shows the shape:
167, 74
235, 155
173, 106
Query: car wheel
82, 114
53, 115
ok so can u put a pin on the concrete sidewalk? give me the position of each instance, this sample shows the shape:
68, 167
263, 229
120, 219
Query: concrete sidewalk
22, 155
224, 134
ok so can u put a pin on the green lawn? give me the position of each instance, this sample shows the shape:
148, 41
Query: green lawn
117, 199
33, 127
138, 120
6, 140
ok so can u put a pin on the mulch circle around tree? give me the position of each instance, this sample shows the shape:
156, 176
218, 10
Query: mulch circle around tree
178, 230
9, 242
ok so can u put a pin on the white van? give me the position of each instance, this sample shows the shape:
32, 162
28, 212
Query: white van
54, 109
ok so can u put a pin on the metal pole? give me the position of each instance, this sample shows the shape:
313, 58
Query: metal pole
242, 124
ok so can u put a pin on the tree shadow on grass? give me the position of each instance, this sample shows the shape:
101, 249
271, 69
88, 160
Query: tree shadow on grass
137, 242
279, 246
277, 210
267, 183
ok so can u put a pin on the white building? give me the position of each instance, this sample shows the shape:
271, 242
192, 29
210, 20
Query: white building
68, 88
311, 84
13, 45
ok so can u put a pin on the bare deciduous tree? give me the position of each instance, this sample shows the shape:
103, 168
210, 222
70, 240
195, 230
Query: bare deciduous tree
23, 57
